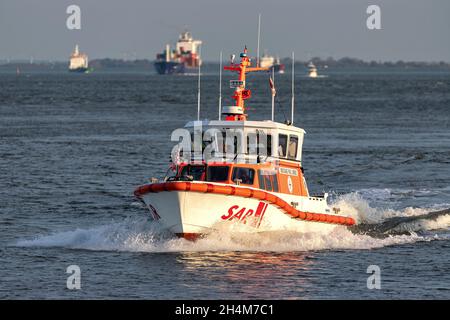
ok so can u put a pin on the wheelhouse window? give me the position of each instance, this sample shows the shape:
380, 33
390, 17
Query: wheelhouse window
246, 175
200, 141
217, 173
261, 180
252, 143
196, 171
282, 144
268, 180
269, 145
293, 147
231, 145
275, 183
259, 143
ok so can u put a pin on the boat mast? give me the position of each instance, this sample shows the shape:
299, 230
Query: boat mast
259, 36
198, 85
220, 86
293, 94
273, 93
237, 112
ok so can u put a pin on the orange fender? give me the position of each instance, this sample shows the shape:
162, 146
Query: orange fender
222, 189
246, 193
199, 187
260, 195
301, 215
271, 198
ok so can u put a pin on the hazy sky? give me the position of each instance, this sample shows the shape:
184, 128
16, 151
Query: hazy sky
411, 29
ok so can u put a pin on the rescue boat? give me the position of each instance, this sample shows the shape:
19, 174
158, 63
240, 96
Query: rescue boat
245, 175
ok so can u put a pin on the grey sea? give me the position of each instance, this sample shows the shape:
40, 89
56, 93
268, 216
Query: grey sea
73, 147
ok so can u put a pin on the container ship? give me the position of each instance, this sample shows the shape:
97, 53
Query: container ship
185, 58
78, 61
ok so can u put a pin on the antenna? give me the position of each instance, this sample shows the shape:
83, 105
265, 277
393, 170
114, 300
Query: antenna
259, 36
198, 94
220, 86
293, 94
273, 93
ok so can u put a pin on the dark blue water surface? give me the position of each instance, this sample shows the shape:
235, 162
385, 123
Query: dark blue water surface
73, 148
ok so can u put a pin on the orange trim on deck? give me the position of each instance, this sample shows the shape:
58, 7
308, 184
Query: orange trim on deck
245, 193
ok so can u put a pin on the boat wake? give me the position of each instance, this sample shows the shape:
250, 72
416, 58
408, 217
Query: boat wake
405, 225
376, 228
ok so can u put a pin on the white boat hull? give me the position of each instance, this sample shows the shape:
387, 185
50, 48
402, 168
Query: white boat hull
191, 213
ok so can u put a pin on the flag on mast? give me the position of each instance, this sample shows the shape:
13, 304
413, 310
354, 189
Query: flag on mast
272, 86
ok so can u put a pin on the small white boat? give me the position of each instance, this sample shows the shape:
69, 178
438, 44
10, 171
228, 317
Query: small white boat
312, 70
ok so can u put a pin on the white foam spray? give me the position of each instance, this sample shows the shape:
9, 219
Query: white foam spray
140, 235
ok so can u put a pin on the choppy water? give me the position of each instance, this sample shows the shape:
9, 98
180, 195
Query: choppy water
73, 148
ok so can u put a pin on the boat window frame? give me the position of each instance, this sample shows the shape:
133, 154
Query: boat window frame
261, 180
271, 178
254, 135
275, 182
269, 145
259, 146
289, 156
284, 150
268, 182
233, 175
188, 168
221, 166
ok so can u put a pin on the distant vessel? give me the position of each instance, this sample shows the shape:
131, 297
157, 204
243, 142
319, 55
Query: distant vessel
78, 61
312, 70
267, 61
185, 58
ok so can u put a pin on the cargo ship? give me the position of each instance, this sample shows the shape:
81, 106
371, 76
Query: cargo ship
78, 61
268, 61
185, 58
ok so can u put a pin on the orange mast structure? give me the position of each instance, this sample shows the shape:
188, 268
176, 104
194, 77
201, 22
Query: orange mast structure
237, 112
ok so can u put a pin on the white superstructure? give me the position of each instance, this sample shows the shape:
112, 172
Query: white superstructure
78, 60
187, 44
266, 61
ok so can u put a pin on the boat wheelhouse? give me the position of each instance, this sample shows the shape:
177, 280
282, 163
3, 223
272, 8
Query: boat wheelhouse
259, 147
